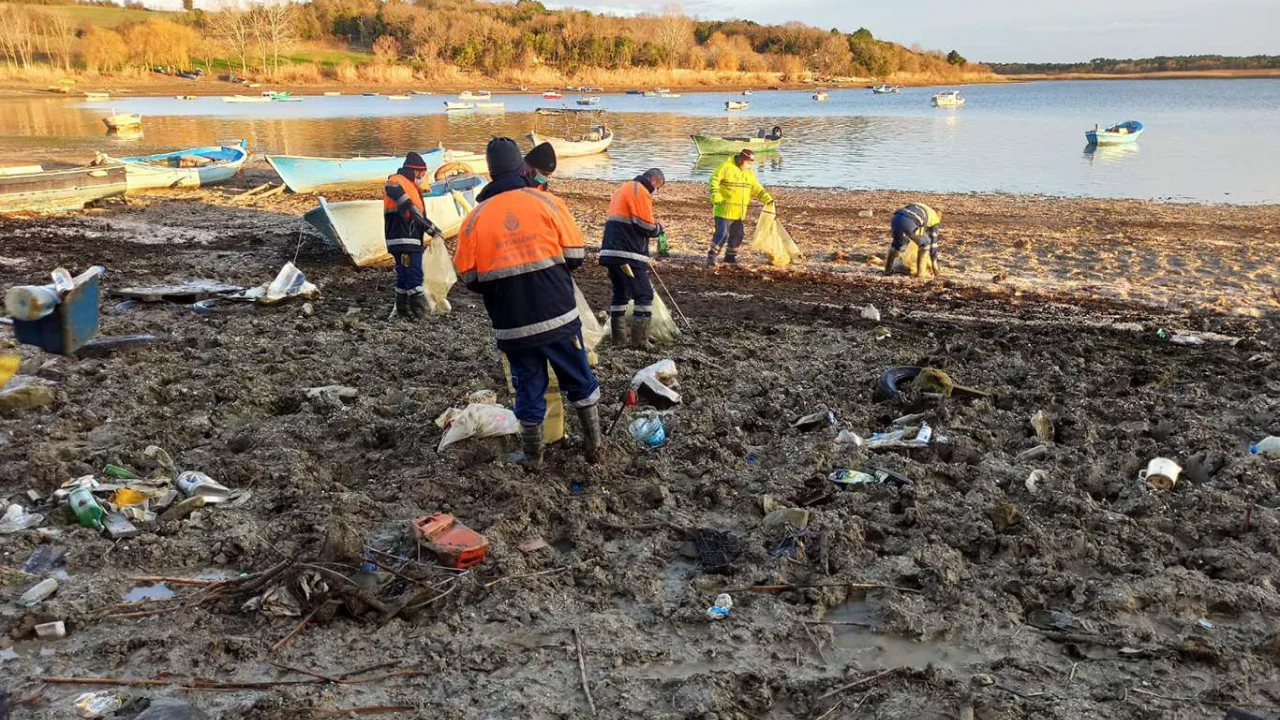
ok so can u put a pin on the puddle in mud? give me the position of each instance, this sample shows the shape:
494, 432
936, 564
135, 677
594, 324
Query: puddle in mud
563, 545
159, 591
857, 640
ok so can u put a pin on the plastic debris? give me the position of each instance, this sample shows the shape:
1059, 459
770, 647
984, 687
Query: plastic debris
279, 601
17, 518
1034, 479
193, 483
815, 421
118, 527
25, 393
720, 610
86, 508
160, 457
655, 385
848, 437
97, 704
871, 313
649, 431
902, 438
455, 545
288, 283
1034, 453
773, 240
877, 476
55, 630
475, 420
38, 593
1267, 447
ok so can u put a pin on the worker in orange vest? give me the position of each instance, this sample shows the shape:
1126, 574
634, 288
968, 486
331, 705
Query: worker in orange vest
625, 252
517, 249
405, 225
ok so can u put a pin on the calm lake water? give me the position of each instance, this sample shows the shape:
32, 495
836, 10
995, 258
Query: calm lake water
1206, 140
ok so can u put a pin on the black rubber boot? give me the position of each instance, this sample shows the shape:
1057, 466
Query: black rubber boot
402, 305
711, 258
640, 333
618, 330
591, 437
530, 455
418, 306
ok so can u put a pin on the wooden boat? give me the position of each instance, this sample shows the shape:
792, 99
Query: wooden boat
883, 89
593, 100
592, 143
491, 106
185, 97
822, 96
245, 99
728, 145
571, 112
357, 226
50, 190
400, 98
371, 94
116, 121
332, 93
450, 105
475, 96
950, 98
307, 174
746, 93
737, 105
196, 167
286, 98
553, 95
1121, 133
96, 96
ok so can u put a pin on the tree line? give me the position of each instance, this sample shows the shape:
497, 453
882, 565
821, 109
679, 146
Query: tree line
1110, 66
469, 35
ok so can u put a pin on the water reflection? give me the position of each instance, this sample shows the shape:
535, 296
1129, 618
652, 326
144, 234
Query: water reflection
1109, 153
1016, 138
767, 164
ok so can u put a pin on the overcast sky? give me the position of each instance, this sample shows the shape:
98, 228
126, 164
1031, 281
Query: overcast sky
1018, 30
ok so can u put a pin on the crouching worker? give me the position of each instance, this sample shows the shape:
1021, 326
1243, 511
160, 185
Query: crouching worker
920, 224
625, 253
517, 249
405, 224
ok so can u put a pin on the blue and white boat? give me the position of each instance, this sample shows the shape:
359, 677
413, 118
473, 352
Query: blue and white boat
196, 167
307, 174
1118, 134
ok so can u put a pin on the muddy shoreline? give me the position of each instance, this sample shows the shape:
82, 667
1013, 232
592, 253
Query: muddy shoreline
1082, 594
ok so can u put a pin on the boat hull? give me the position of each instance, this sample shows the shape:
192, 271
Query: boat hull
1099, 136
356, 226
569, 148
716, 145
143, 173
60, 189
308, 174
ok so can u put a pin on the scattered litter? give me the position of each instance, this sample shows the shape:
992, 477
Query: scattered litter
716, 550
877, 476
119, 473
127, 496
777, 520
1267, 447
906, 420
881, 333
1160, 473
280, 601
649, 431
288, 283
475, 420
17, 518
193, 483
720, 610
183, 509
1198, 340
203, 307
25, 393
86, 508
908, 437
923, 379
662, 326
533, 545
186, 293
439, 276
308, 309
848, 437
1042, 423
455, 545
592, 330
815, 421
97, 704
38, 593
118, 527
871, 313
655, 385
865, 213
1034, 453
55, 630
1205, 623
1034, 479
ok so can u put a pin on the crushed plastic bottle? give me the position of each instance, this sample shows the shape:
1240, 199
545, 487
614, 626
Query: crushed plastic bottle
1267, 447
851, 477
98, 704
86, 508
720, 610
664, 245
649, 431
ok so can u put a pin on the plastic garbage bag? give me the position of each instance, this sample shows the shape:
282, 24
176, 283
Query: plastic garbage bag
906, 262
655, 385
475, 420
592, 331
773, 240
438, 276
662, 327
289, 283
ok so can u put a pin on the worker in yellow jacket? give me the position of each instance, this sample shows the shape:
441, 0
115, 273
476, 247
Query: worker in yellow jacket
733, 185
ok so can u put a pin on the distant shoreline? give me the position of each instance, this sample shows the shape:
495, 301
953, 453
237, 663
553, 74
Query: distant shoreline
1169, 75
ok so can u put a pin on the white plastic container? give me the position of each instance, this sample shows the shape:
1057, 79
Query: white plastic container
1268, 447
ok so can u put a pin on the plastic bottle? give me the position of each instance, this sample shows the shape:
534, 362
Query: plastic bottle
86, 508
38, 593
664, 245
1267, 447
720, 610
649, 431
117, 472
30, 302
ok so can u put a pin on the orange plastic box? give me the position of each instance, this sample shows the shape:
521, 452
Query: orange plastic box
453, 543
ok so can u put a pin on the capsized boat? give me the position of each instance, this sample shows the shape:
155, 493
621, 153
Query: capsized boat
728, 145
737, 105
1119, 134
356, 226
950, 98
307, 174
115, 121
49, 190
196, 167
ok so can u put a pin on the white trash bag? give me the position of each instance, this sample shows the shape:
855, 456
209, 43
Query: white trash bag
438, 276
475, 420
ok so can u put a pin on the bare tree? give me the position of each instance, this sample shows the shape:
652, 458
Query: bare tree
60, 38
231, 27
278, 29
18, 36
673, 32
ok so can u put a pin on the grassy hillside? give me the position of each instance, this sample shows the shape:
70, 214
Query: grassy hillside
93, 15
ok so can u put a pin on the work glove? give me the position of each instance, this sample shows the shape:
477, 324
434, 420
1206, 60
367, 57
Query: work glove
717, 200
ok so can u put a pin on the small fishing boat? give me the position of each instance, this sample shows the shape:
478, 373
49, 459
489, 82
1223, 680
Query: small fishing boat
398, 98
579, 132
571, 112
307, 174
475, 95
591, 143
49, 190
356, 226
633, 92
96, 96
822, 96
451, 105
196, 167
491, 106
371, 94
591, 89
245, 99
667, 94
274, 94
332, 93
421, 92
185, 97
285, 97
737, 105
662, 90
729, 145
746, 93
883, 89
1119, 134
950, 98
553, 95
593, 100
116, 121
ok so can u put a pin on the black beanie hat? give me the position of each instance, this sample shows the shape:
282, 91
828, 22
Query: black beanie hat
503, 157
542, 158
414, 161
